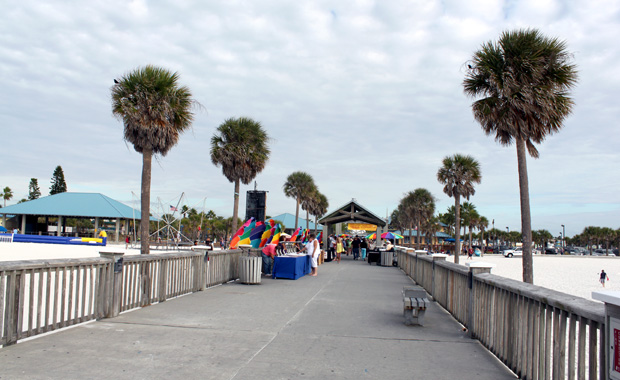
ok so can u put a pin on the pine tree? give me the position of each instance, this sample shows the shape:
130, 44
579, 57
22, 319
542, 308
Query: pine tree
33, 189
58, 182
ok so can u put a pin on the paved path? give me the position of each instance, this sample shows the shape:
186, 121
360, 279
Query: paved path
346, 323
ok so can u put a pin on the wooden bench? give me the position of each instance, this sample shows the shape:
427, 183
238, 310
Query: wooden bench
414, 305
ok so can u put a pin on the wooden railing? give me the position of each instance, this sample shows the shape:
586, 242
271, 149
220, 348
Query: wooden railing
537, 332
39, 296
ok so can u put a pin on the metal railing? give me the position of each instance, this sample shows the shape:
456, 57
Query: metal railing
39, 296
537, 332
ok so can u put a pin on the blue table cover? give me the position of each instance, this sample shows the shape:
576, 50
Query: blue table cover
291, 267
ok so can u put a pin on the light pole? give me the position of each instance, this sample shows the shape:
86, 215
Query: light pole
563, 236
507, 232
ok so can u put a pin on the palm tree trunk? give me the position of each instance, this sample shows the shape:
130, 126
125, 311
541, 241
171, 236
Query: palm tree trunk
470, 237
526, 218
457, 227
296, 214
235, 207
307, 220
145, 201
316, 220
417, 239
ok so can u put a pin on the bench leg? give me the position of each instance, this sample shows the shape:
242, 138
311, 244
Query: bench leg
414, 316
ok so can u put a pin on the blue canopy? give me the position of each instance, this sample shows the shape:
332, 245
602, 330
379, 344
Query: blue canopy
452, 240
2, 229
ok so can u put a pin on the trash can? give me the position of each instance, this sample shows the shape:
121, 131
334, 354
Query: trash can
387, 258
250, 269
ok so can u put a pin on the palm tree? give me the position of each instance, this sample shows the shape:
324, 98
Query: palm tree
458, 175
470, 216
523, 81
430, 227
298, 185
155, 110
483, 224
308, 203
7, 194
241, 147
320, 205
420, 206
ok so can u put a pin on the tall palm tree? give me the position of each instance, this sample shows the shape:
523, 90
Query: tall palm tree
155, 110
458, 174
483, 224
522, 82
320, 205
7, 194
430, 227
298, 185
308, 202
469, 216
241, 147
420, 205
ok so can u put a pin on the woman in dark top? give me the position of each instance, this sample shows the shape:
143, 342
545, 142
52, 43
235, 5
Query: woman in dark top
364, 248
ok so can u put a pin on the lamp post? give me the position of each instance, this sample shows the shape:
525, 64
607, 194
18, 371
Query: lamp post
563, 236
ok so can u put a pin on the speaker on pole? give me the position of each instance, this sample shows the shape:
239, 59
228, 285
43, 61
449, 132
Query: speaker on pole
256, 205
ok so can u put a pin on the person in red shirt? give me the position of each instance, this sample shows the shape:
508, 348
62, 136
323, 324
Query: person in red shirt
268, 254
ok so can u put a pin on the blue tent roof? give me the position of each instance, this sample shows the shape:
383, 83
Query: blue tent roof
89, 205
414, 233
289, 221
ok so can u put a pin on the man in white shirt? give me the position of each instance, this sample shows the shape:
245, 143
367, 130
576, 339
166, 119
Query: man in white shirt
314, 250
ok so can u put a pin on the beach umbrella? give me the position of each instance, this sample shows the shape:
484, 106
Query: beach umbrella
2, 229
390, 235
372, 236
344, 235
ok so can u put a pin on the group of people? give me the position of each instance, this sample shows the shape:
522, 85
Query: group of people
356, 246
312, 248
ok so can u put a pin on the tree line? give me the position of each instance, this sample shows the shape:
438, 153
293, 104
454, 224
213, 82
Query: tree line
58, 185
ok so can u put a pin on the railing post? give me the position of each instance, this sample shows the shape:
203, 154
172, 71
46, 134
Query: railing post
436, 257
474, 268
610, 333
115, 287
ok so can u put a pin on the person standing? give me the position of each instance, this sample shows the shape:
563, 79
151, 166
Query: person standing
339, 249
313, 249
603, 277
331, 250
268, 254
127, 241
355, 247
364, 248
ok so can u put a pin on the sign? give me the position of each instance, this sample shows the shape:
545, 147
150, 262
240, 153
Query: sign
614, 348
362, 226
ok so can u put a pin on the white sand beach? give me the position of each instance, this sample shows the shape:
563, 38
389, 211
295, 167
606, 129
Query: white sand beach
577, 275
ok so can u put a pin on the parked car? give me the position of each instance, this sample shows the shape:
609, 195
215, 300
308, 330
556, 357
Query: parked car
513, 252
501, 248
551, 251
603, 252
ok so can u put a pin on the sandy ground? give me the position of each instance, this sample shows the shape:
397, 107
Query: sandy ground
577, 275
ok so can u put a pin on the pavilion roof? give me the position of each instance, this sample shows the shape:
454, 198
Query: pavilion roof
89, 205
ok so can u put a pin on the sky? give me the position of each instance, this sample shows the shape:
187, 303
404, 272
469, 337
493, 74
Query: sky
365, 96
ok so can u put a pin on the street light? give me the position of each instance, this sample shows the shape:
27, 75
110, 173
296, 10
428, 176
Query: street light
507, 229
563, 237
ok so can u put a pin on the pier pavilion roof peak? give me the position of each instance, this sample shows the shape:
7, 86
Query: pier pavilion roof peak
352, 212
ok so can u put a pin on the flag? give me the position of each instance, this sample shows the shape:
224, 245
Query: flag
245, 238
294, 236
235, 239
320, 237
172, 208
257, 234
275, 235
266, 235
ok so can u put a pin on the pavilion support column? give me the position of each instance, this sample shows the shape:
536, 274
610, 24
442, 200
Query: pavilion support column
23, 224
325, 236
4, 220
118, 227
96, 226
59, 228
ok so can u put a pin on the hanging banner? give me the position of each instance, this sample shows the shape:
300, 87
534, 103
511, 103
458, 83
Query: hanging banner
362, 226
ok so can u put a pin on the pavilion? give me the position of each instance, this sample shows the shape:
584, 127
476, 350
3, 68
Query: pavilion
351, 212
68, 205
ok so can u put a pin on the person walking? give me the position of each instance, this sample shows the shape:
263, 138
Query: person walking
339, 249
355, 247
331, 250
603, 277
364, 248
314, 250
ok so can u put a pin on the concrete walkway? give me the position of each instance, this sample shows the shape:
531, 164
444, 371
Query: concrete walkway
346, 323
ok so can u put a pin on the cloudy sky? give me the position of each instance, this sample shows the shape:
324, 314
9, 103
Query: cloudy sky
366, 96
